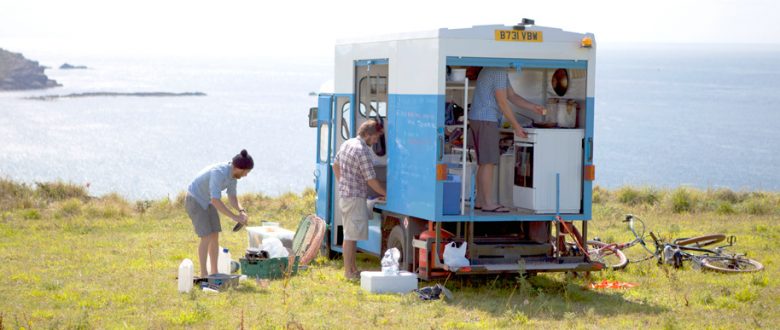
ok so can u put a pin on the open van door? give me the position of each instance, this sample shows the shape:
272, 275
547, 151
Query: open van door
322, 173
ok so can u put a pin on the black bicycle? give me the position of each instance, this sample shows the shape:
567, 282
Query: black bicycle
716, 259
612, 255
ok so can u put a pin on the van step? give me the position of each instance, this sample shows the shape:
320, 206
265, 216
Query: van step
513, 250
529, 267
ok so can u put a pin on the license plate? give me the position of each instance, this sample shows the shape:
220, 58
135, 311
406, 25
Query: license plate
521, 36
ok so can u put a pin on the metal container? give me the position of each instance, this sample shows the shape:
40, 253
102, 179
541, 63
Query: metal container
567, 114
550, 117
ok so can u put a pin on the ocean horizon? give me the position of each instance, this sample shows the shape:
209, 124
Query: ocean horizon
665, 116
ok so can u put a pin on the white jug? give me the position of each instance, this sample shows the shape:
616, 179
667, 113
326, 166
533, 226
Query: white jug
223, 262
186, 270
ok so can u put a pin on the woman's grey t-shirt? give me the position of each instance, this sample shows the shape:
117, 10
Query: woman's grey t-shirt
210, 183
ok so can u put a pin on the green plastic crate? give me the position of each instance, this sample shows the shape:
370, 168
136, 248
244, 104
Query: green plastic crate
271, 268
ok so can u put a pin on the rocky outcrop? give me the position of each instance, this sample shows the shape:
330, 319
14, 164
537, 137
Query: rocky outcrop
19, 73
68, 66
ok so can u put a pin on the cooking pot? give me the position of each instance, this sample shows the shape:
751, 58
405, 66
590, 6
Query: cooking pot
550, 116
567, 114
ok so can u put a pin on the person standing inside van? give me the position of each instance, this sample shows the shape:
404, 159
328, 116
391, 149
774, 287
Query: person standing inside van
354, 171
204, 201
491, 100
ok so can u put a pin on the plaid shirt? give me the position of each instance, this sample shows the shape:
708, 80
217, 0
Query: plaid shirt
485, 107
354, 159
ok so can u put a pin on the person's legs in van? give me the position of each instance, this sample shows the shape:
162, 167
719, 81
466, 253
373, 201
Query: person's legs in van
486, 142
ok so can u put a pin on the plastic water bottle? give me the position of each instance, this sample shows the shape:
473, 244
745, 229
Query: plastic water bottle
186, 270
223, 262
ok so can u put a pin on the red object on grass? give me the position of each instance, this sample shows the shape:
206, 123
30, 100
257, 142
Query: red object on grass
607, 284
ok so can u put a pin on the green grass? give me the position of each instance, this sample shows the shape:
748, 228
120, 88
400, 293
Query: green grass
73, 261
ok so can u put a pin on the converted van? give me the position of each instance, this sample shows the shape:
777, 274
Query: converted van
420, 86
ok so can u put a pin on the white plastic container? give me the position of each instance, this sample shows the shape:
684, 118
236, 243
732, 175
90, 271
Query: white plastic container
223, 261
186, 273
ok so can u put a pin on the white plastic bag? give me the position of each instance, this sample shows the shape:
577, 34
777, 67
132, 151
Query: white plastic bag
455, 257
390, 261
274, 247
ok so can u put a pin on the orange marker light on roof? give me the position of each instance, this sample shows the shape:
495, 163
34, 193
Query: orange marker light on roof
586, 42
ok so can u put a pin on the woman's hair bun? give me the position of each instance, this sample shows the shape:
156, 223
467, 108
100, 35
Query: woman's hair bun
243, 160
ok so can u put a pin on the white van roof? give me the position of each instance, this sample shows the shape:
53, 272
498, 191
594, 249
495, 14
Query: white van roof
475, 32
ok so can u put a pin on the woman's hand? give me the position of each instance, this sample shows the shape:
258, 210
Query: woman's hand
539, 109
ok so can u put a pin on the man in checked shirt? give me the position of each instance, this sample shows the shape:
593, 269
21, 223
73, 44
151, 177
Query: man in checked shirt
354, 170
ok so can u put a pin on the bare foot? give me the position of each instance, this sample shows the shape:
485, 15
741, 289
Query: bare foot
352, 276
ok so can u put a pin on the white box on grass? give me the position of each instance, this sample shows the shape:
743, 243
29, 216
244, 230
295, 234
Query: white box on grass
378, 282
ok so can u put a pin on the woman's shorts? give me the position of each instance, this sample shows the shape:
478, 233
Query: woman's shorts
205, 221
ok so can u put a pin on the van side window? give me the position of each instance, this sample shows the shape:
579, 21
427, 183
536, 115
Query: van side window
324, 142
345, 119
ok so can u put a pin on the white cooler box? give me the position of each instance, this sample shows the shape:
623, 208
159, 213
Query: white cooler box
378, 282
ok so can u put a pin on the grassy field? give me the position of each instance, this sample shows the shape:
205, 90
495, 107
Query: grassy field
74, 261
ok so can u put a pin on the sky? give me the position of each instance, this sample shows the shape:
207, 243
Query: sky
310, 28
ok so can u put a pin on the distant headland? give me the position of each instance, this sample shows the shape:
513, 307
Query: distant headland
19, 73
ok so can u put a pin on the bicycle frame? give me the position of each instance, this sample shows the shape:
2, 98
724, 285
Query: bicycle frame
638, 238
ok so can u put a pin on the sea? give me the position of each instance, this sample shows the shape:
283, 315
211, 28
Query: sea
666, 115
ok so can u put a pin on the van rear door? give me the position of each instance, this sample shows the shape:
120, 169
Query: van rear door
322, 173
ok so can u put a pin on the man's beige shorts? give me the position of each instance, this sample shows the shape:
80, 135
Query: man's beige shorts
354, 216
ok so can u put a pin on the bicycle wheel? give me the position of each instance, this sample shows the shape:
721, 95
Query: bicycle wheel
700, 241
607, 254
731, 264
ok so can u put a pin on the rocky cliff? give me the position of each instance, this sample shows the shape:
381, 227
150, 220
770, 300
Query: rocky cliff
18, 73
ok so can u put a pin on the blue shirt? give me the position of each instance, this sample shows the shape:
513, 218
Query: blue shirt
210, 183
484, 106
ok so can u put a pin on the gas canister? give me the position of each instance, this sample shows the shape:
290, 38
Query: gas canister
426, 257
